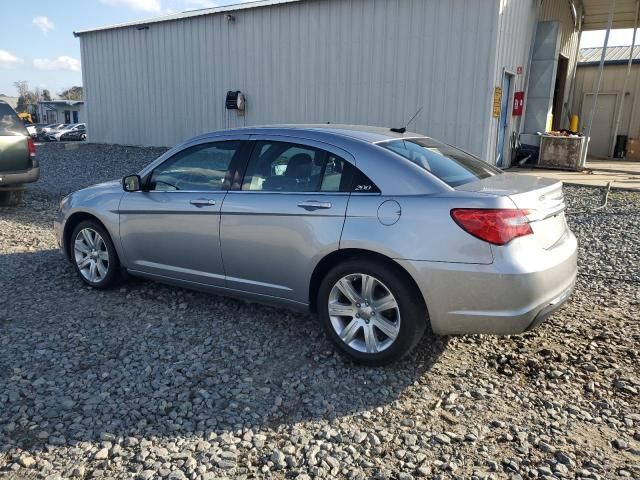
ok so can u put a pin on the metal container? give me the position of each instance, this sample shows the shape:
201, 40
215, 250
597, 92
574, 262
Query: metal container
564, 153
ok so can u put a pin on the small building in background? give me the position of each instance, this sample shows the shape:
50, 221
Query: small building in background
61, 111
484, 72
612, 102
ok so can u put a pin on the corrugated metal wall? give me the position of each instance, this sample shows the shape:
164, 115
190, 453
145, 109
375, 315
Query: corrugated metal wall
612, 82
341, 61
516, 25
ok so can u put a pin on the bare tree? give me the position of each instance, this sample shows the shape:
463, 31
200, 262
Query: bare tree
26, 96
72, 93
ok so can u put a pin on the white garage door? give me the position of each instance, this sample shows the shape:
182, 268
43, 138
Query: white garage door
602, 129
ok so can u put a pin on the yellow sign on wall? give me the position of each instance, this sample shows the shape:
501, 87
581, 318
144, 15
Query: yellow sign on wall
497, 102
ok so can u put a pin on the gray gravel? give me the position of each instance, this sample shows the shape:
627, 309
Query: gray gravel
68, 166
150, 381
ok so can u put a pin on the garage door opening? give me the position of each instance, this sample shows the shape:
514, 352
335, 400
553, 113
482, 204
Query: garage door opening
558, 92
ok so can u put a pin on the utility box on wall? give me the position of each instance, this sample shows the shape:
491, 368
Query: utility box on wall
518, 104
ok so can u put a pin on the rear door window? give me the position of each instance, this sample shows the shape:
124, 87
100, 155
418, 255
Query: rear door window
449, 164
10, 123
288, 167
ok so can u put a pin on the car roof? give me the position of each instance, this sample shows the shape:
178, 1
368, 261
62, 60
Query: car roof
363, 133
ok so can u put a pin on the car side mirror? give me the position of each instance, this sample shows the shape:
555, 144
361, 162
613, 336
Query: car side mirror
132, 183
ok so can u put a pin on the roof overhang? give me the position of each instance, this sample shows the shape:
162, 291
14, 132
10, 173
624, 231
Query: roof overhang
596, 14
188, 14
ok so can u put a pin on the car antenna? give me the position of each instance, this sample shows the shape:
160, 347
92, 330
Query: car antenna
404, 129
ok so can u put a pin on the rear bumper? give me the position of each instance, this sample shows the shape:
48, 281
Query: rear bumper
13, 179
510, 296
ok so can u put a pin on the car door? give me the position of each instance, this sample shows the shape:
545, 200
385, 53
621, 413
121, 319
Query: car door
288, 215
171, 228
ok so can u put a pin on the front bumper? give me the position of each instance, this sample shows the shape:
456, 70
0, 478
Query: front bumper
13, 179
507, 297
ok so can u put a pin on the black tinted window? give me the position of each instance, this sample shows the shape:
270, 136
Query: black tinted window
287, 167
449, 164
10, 123
201, 168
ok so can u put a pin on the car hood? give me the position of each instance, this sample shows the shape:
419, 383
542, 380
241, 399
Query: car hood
112, 186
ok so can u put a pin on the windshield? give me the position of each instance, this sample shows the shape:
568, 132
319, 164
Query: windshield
449, 164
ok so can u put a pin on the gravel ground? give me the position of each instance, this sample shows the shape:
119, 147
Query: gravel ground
151, 381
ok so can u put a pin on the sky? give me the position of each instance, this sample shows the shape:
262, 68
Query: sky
37, 42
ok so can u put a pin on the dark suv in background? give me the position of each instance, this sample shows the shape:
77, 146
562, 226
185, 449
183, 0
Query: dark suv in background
18, 164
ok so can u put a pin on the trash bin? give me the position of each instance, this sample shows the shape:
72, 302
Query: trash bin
620, 150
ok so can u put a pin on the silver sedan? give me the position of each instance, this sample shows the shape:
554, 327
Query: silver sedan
384, 235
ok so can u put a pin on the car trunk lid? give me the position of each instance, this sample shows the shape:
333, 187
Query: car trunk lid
542, 198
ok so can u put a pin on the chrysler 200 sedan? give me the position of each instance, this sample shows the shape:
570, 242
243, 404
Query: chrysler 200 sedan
384, 235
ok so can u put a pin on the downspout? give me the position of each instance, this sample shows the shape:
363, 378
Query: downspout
587, 133
626, 81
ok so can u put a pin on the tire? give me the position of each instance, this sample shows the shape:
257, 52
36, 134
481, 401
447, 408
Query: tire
379, 332
11, 198
94, 258
83, 137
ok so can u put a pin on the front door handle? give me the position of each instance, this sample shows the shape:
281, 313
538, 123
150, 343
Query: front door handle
311, 205
203, 202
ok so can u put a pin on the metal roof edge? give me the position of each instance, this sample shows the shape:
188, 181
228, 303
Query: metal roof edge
623, 61
186, 15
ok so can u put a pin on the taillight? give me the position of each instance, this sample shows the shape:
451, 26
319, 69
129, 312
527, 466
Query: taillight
32, 148
496, 226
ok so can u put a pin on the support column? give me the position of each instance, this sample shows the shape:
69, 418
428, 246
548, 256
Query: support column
626, 81
612, 7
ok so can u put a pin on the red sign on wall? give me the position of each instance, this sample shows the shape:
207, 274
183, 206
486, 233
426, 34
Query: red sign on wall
518, 103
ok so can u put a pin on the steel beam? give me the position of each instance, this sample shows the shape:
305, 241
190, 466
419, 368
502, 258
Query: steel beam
626, 81
612, 7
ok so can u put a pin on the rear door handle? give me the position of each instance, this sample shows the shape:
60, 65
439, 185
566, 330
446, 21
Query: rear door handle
203, 202
314, 205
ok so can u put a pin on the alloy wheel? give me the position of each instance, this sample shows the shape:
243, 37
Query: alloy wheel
91, 255
364, 313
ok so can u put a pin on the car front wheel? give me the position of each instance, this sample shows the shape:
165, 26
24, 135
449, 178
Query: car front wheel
93, 255
372, 311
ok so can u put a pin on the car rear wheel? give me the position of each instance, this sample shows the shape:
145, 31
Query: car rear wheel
93, 255
372, 311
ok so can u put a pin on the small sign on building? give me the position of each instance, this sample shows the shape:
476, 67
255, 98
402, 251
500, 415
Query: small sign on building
518, 104
497, 102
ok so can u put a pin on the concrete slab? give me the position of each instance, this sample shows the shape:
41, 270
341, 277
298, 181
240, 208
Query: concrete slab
597, 173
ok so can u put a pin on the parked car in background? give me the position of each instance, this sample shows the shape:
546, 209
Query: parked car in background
18, 164
383, 234
31, 129
44, 131
79, 132
56, 135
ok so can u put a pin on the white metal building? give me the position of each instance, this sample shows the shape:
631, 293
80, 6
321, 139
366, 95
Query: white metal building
613, 102
61, 111
161, 81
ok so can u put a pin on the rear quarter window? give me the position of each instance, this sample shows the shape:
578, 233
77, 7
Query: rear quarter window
10, 123
449, 164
